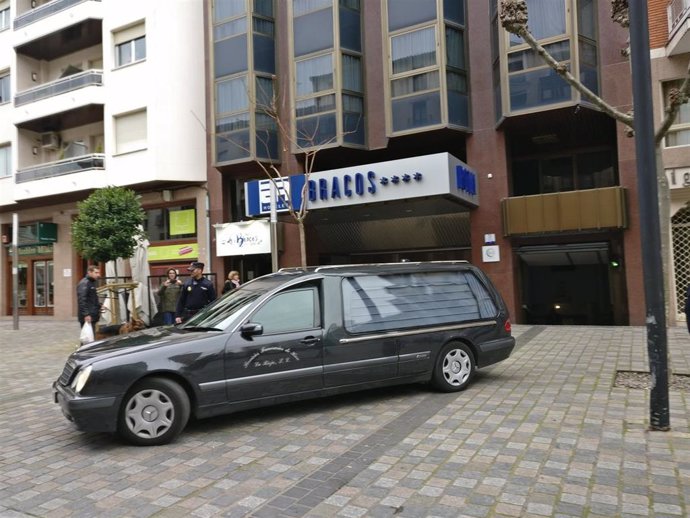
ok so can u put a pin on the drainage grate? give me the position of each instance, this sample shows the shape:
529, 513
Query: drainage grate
643, 380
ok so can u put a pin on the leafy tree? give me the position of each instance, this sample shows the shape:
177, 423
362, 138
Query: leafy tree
108, 225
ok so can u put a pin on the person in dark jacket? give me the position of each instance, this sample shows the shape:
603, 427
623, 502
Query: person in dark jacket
197, 292
169, 292
232, 282
88, 304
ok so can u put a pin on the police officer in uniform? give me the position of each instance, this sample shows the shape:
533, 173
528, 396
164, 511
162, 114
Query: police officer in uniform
197, 292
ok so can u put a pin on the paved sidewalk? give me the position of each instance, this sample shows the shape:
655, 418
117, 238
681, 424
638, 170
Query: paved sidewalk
544, 433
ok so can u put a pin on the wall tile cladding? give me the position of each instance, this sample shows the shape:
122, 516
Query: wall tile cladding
658, 23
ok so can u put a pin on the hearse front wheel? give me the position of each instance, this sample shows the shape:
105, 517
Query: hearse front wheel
454, 368
154, 412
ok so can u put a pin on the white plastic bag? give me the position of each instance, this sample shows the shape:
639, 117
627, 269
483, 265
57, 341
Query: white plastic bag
86, 335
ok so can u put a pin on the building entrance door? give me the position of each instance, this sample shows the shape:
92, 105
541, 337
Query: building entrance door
36, 287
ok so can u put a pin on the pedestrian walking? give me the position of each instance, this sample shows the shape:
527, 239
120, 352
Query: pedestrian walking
88, 304
169, 292
197, 292
232, 282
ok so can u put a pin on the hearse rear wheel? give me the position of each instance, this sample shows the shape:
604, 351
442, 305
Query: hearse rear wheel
454, 368
154, 412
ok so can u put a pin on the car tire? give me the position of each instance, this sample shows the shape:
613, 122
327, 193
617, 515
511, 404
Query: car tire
454, 368
153, 412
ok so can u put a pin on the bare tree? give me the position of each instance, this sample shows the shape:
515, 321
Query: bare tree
514, 18
305, 144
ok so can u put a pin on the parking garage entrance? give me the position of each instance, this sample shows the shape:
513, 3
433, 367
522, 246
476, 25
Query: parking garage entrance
571, 284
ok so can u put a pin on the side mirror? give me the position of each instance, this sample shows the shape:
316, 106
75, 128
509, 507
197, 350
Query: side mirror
251, 329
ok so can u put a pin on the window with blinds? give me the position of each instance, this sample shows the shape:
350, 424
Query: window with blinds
130, 131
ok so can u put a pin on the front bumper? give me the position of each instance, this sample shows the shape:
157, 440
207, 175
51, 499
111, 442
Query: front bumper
89, 414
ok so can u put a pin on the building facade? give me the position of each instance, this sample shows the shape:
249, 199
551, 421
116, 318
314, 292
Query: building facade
92, 94
435, 135
669, 23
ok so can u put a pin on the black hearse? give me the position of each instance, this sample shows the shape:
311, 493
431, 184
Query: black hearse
291, 335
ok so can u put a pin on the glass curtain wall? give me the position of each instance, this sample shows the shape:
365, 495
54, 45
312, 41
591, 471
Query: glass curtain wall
329, 106
427, 87
244, 63
570, 38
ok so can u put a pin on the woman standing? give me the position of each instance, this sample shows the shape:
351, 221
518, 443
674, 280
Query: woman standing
232, 282
169, 293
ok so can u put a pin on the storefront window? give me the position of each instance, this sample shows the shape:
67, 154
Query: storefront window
166, 223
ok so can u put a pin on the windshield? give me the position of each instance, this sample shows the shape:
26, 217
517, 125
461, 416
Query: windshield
226, 312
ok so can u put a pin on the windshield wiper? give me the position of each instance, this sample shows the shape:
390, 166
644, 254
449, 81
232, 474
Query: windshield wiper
200, 328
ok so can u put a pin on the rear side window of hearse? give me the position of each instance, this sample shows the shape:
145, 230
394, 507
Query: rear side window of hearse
393, 302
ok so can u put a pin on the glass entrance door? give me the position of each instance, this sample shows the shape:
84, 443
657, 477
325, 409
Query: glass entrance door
23, 274
43, 284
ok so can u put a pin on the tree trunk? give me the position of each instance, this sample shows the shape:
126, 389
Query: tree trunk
665, 230
302, 243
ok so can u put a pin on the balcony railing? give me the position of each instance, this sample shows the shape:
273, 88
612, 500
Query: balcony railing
61, 167
60, 86
678, 11
45, 10
591, 209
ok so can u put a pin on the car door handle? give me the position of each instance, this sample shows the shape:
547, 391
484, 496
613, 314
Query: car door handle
310, 340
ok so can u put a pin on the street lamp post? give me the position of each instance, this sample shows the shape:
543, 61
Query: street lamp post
647, 186
15, 271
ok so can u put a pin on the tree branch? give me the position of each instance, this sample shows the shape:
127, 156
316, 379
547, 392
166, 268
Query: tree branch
562, 71
676, 99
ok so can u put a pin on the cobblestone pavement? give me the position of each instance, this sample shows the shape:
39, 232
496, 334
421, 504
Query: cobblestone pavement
544, 433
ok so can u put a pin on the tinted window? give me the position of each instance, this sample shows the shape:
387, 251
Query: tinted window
382, 303
547, 18
404, 13
416, 111
288, 311
350, 31
231, 56
454, 10
313, 31
264, 54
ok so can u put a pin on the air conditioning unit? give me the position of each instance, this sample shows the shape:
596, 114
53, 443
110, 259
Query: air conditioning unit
50, 140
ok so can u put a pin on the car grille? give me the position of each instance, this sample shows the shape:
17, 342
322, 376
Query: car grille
67, 373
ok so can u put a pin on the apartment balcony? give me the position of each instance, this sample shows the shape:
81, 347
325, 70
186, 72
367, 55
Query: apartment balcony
60, 86
57, 28
678, 27
63, 167
586, 210
43, 11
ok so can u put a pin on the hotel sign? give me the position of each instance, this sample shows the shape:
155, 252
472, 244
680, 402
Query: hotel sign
440, 174
243, 238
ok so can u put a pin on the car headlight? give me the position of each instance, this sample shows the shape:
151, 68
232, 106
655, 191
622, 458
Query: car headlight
81, 378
